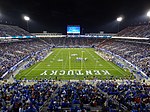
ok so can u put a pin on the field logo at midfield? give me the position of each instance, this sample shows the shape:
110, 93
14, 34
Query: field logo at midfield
76, 72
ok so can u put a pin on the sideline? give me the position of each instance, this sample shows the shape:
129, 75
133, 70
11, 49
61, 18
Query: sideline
47, 56
120, 71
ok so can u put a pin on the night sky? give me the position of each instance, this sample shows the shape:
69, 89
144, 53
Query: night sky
91, 15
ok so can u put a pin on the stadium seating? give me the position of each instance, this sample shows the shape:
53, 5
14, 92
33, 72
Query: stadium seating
136, 31
135, 52
132, 94
73, 96
13, 52
25, 98
74, 42
9, 30
105, 96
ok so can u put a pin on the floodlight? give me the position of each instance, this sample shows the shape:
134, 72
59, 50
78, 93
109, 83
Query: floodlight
119, 19
26, 18
148, 13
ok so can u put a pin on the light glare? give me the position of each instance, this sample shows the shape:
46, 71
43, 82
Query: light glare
148, 13
26, 18
119, 19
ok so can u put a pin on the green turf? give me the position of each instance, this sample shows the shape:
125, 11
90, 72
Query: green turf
60, 64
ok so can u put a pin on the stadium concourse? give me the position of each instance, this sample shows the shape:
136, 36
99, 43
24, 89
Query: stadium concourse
95, 95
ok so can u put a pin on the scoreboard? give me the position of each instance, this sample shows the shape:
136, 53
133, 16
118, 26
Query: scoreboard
73, 29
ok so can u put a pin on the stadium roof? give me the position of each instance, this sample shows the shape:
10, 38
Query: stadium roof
55, 15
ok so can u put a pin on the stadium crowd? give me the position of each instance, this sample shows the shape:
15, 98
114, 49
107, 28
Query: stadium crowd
73, 42
133, 95
136, 31
105, 96
18, 97
13, 52
79, 96
135, 52
9, 30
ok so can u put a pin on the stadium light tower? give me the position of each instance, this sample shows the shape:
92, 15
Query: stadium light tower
119, 19
27, 19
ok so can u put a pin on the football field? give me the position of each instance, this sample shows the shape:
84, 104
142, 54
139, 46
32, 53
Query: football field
73, 64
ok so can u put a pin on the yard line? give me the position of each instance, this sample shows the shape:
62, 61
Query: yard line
65, 62
47, 56
109, 64
69, 60
34, 68
40, 61
91, 56
31, 70
56, 55
120, 71
63, 59
85, 64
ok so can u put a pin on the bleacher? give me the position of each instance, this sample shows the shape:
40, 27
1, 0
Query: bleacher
9, 30
80, 96
75, 96
135, 52
136, 31
13, 52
